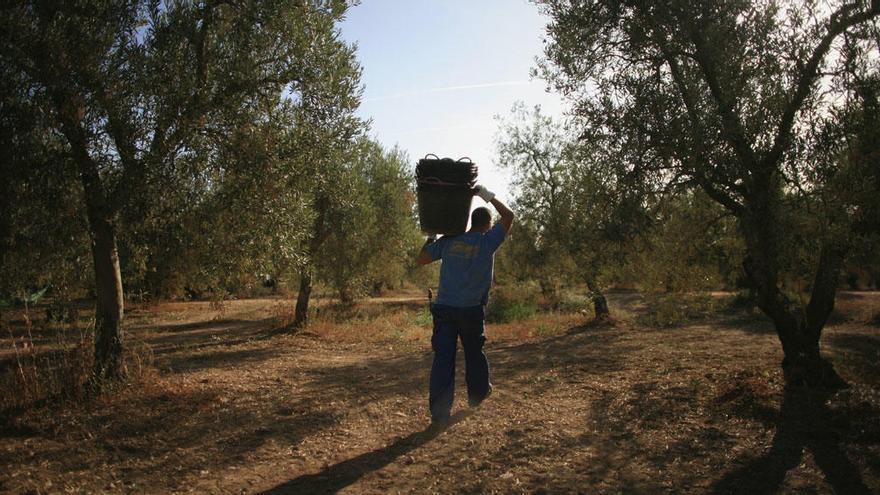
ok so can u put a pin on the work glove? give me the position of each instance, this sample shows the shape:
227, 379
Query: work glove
485, 194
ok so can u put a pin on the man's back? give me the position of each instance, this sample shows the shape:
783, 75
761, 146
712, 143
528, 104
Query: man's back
466, 269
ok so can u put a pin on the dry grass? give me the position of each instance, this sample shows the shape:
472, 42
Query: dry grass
49, 363
34, 376
408, 320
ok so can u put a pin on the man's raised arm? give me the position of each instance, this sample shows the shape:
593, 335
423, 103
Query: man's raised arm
506, 213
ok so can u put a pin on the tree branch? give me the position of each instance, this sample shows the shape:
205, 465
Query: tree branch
825, 286
839, 22
730, 121
687, 97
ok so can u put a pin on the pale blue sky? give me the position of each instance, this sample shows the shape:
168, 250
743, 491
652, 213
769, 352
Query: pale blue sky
436, 72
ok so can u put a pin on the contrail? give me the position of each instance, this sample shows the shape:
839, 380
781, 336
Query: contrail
442, 129
449, 88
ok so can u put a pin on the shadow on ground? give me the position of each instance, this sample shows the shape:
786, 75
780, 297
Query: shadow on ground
585, 351
189, 336
859, 354
345, 473
805, 424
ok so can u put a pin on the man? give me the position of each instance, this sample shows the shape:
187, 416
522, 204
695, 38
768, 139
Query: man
459, 310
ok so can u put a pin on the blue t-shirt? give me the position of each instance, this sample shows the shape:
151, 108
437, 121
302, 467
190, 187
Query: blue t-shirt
466, 266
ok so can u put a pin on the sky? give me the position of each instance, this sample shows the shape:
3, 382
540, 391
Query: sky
436, 72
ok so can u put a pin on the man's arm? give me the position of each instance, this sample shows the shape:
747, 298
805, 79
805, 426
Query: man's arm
506, 213
424, 256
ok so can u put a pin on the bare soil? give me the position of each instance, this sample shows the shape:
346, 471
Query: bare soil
238, 406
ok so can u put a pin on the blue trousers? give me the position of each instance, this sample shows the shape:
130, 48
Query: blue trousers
451, 324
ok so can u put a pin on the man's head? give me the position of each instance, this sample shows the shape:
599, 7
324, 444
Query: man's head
481, 219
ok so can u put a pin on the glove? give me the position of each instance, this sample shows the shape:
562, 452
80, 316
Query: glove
485, 194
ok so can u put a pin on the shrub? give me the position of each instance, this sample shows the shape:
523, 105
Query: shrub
424, 318
743, 299
573, 303
676, 308
511, 304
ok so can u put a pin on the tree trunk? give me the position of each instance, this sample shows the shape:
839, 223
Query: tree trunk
345, 296
799, 329
549, 291
600, 304
319, 235
803, 364
109, 302
301, 315
109, 308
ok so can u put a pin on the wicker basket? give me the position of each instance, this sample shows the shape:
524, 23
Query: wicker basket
445, 189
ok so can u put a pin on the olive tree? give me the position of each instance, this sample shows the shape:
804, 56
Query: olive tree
569, 193
364, 225
729, 96
128, 94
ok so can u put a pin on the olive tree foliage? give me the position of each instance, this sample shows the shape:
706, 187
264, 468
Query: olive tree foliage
368, 248
860, 158
731, 97
39, 246
691, 245
575, 210
391, 227
251, 224
138, 102
364, 226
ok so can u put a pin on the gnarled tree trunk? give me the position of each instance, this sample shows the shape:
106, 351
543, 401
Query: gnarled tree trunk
109, 302
600, 304
319, 235
301, 314
799, 329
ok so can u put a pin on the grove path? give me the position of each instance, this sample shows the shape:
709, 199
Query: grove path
598, 408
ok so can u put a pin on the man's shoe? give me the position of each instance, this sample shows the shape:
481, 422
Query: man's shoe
439, 423
477, 402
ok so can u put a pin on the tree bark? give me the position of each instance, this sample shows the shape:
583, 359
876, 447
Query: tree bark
301, 314
799, 329
319, 235
600, 304
109, 306
109, 302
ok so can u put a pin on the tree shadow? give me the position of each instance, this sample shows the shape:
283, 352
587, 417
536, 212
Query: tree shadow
745, 319
805, 422
859, 352
163, 432
171, 339
587, 350
340, 475
219, 359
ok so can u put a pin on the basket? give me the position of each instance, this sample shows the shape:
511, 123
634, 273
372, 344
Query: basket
445, 188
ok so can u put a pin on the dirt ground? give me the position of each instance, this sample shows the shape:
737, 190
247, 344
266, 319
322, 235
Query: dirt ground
238, 407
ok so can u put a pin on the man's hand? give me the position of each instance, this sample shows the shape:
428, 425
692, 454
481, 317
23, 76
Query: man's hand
485, 194
506, 213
